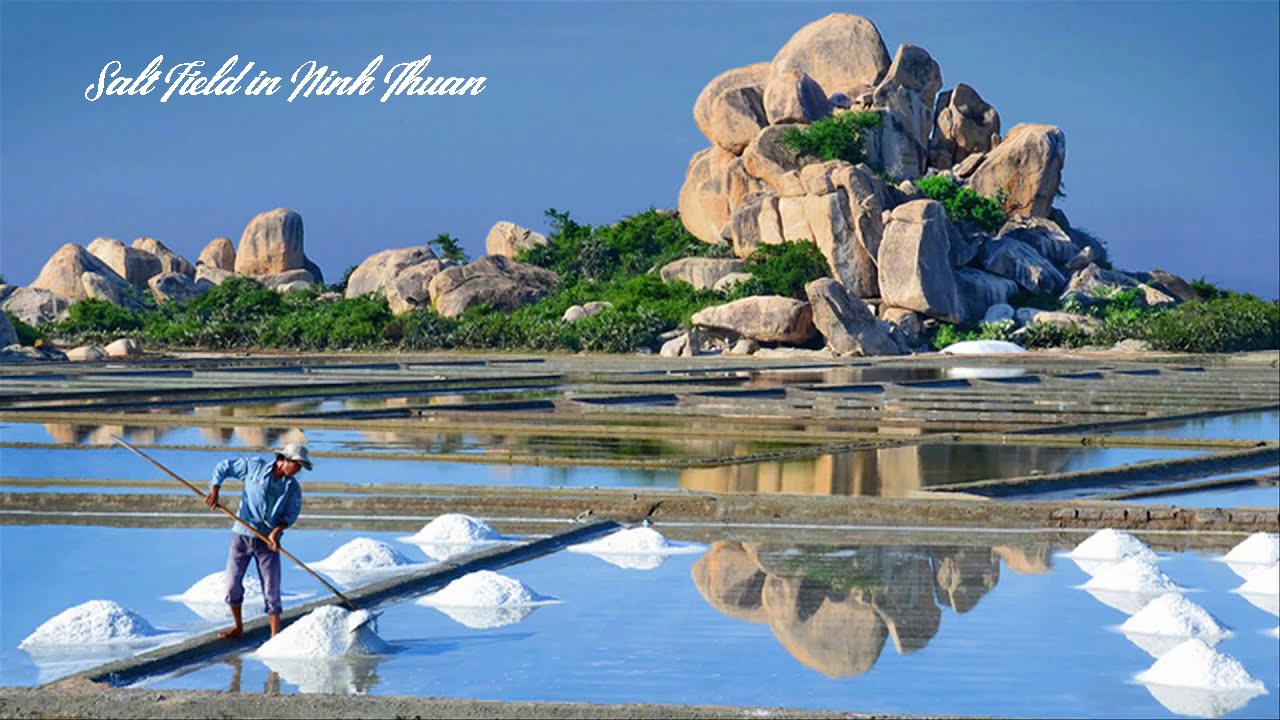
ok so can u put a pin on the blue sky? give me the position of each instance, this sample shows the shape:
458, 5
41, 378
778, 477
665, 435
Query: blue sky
1170, 112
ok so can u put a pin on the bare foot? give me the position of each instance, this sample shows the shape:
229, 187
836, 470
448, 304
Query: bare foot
231, 634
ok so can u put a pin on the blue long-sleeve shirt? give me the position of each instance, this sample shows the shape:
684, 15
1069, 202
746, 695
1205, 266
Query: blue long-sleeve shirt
266, 503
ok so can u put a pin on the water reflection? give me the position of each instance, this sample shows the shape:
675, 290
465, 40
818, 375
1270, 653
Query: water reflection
834, 609
1201, 702
338, 675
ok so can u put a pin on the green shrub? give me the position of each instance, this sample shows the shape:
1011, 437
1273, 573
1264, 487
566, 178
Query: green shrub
425, 329
93, 317
964, 206
840, 137
1040, 335
27, 335
1207, 290
448, 247
1040, 300
620, 331
783, 269
1226, 324
946, 334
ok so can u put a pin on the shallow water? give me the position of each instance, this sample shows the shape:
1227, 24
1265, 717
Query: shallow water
902, 629
1236, 426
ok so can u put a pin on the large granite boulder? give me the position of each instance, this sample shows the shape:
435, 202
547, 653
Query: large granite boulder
510, 239
753, 76
410, 289
793, 97
379, 269
134, 265
1027, 165
170, 261
1042, 234
35, 306
99, 287
271, 243
893, 146
704, 198
175, 287
1096, 280
908, 89
220, 253
745, 230
915, 264
736, 116
846, 322
8, 335
829, 218
964, 125
288, 280
63, 273
776, 163
764, 318
211, 275
702, 273
1171, 284
843, 53
494, 280
1021, 263
980, 290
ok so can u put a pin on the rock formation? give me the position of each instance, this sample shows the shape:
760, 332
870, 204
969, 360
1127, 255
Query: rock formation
271, 243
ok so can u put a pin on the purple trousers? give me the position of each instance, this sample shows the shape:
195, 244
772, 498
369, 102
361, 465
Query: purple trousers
244, 548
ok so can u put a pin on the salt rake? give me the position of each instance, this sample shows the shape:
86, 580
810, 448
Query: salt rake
233, 516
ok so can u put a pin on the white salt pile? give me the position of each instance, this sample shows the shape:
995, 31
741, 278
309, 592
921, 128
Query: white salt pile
484, 588
1194, 664
327, 631
454, 534
1109, 544
93, 622
638, 548
1262, 548
363, 554
1173, 615
1133, 575
213, 589
982, 347
1266, 582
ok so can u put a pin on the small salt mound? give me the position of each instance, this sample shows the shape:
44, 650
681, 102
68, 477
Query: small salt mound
1109, 544
484, 588
1133, 575
327, 631
455, 528
640, 540
1194, 664
213, 589
1259, 547
982, 347
1276, 632
93, 622
1264, 583
1172, 614
363, 554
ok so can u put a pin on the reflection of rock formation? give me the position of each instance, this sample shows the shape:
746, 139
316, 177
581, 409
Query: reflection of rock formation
101, 434
833, 608
885, 472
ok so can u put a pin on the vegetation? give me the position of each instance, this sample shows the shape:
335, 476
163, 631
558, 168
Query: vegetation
782, 270
964, 206
27, 335
448, 247
840, 137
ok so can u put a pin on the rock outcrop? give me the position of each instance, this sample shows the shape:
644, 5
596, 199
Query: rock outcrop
410, 288
220, 253
965, 125
842, 53
271, 243
509, 239
915, 266
765, 319
378, 270
701, 273
170, 261
134, 265
35, 306
1027, 166
846, 322
64, 271
494, 280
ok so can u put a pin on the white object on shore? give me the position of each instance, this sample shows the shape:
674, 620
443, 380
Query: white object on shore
1109, 544
486, 599
1196, 665
1260, 547
982, 347
637, 548
363, 554
453, 534
327, 632
91, 623
1165, 622
1262, 590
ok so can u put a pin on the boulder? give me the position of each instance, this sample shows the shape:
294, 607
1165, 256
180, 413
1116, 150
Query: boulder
507, 238
908, 323
963, 247
1065, 320
123, 348
86, 353
736, 116
578, 312
793, 97
742, 232
726, 283
279, 281
1155, 297
271, 244
766, 319
908, 89
1080, 261
1027, 165
8, 335
703, 203
1171, 285
754, 76
964, 125
173, 287
999, 312
744, 346
794, 218
740, 184
852, 264
701, 273
220, 253
62, 273
170, 261
778, 165
1021, 263
494, 280
1042, 234
770, 219
894, 147
841, 52
99, 287
375, 272
212, 275
980, 291
134, 265
35, 306
868, 199
1132, 345
680, 346
915, 266
1098, 281
844, 320
410, 289
967, 166
317, 276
